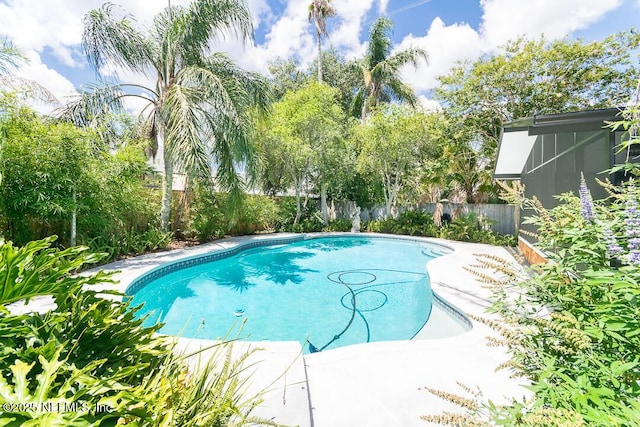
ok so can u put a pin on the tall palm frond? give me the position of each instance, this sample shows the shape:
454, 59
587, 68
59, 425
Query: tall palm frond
92, 104
381, 70
210, 20
379, 42
396, 90
28, 89
109, 40
238, 94
319, 11
10, 59
10, 56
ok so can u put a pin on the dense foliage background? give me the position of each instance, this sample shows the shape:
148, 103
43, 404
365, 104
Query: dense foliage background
315, 145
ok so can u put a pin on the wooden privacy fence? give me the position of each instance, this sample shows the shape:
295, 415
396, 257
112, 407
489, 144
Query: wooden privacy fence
503, 219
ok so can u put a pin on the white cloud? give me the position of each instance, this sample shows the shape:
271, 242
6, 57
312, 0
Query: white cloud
429, 104
502, 20
507, 19
349, 32
290, 35
261, 12
56, 26
382, 7
445, 45
50, 79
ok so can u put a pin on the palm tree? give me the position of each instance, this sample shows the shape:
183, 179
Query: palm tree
10, 56
381, 70
200, 109
10, 59
319, 11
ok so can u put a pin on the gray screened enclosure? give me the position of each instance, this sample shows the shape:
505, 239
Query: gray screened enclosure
548, 153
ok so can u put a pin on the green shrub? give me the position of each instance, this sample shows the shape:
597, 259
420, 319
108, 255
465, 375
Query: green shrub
473, 228
380, 225
338, 225
310, 220
572, 325
286, 212
85, 350
466, 228
415, 223
207, 220
258, 213
309, 224
130, 243
213, 217
51, 170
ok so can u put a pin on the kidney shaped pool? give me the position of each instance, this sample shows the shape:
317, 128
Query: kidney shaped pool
324, 292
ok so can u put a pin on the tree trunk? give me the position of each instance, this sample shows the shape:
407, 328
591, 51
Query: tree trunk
319, 41
363, 116
469, 191
387, 201
386, 190
298, 207
167, 188
74, 216
183, 210
323, 204
392, 192
387, 211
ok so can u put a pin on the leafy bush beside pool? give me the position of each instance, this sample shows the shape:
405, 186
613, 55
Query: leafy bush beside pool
465, 228
572, 325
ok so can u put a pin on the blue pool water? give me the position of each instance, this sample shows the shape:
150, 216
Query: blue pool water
328, 291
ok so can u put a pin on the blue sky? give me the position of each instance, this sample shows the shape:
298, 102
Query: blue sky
49, 31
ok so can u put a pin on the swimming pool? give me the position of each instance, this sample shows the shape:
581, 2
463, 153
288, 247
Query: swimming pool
324, 292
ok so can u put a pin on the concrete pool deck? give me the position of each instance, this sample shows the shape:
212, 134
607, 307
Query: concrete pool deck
373, 384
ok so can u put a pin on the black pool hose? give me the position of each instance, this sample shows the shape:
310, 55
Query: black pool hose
313, 348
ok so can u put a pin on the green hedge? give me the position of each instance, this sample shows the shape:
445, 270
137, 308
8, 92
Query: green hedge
466, 228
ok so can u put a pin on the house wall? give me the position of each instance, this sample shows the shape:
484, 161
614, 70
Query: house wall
557, 160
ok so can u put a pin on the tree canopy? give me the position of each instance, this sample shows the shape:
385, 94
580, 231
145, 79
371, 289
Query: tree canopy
395, 144
200, 110
537, 77
304, 137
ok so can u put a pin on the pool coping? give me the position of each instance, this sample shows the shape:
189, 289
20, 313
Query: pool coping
392, 375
